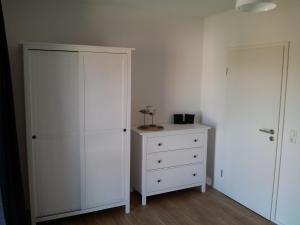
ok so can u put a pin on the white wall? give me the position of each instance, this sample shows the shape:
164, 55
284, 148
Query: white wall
235, 28
166, 64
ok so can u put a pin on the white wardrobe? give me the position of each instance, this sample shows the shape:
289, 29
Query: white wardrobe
78, 128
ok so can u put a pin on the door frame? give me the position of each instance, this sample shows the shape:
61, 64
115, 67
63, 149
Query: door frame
283, 91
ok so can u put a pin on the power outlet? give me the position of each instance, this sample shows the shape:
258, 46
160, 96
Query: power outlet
293, 136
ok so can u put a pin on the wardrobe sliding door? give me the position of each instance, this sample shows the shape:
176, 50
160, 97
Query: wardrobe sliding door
105, 97
53, 80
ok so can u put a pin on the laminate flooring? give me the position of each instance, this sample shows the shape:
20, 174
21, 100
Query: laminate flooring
185, 207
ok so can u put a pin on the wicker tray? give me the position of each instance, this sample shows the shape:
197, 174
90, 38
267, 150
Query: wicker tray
150, 127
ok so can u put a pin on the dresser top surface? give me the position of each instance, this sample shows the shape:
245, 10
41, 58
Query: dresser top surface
173, 128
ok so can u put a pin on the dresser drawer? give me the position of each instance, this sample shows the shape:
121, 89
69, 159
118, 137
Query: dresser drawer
172, 142
173, 177
174, 158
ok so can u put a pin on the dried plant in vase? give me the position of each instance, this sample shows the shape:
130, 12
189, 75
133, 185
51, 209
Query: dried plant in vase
144, 112
149, 110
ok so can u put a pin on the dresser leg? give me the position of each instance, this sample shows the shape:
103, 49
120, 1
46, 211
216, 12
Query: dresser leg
127, 208
203, 188
144, 199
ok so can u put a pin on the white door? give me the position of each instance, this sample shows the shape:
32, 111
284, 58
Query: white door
55, 117
105, 94
252, 110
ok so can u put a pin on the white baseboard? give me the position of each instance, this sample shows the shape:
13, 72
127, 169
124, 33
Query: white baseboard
209, 181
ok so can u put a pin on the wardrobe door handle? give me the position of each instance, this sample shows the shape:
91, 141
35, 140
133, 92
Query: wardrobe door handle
160, 144
159, 180
159, 161
195, 156
195, 140
194, 174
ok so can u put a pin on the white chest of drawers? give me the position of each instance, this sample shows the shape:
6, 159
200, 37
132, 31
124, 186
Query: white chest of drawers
168, 160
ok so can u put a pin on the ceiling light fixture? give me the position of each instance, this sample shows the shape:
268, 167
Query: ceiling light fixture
255, 5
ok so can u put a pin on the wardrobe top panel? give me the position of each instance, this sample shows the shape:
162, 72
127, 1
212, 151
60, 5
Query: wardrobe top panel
75, 48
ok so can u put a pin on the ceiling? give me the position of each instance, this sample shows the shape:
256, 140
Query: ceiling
187, 7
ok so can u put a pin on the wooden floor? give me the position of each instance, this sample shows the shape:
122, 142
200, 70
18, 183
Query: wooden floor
187, 207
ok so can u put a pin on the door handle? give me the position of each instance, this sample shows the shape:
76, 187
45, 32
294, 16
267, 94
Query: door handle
268, 131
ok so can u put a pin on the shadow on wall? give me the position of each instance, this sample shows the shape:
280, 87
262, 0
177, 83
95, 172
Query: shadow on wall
2, 221
211, 155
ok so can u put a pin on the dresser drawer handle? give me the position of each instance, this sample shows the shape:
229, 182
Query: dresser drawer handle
194, 174
159, 161
195, 156
160, 144
159, 180
195, 140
